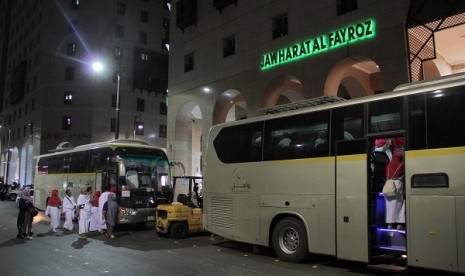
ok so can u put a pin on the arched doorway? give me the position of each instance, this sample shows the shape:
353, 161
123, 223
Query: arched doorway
354, 77
230, 106
435, 39
282, 90
188, 138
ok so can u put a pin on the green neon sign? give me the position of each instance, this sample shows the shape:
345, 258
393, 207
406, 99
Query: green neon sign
323, 43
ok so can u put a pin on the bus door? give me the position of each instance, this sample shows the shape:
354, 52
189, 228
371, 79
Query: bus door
386, 220
98, 180
351, 200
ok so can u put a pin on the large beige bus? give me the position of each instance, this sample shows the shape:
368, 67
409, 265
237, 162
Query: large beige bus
137, 172
311, 179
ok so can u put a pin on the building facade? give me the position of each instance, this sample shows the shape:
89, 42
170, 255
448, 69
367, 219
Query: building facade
231, 59
50, 93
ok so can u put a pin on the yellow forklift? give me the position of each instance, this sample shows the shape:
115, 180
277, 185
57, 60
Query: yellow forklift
184, 215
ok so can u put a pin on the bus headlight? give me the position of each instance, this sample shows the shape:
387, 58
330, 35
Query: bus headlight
151, 202
127, 211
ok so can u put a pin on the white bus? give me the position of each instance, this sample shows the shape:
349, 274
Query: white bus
138, 172
310, 180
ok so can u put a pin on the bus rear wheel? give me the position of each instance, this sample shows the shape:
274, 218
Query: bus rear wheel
289, 240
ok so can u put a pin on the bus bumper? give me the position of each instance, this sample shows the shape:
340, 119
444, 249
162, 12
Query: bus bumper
135, 216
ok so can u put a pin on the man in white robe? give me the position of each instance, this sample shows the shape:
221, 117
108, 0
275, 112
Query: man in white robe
69, 206
95, 219
85, 212
101, 201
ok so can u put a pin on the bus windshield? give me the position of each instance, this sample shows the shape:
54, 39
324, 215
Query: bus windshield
139, 170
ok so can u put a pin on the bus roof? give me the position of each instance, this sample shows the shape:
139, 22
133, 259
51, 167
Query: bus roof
404, 89
112, 143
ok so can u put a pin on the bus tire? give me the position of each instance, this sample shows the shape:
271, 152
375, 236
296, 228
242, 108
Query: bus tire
289, 240
179, 230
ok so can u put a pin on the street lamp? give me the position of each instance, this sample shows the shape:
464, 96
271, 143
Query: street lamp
98, 67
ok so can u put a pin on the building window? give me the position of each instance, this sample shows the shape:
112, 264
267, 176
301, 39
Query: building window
113, 100
165, 45
229, 46
140, 105
121, 9
280, 26
119, 31
163, 109
221, 4
71, 51
189, 62
345, 6
167, 5
165, 25
144, 16
143, 37
74, 4
115, 77
186, 13
66, 123
162, 131
165, 42
144, 56
68, 98
69, 73
112, 125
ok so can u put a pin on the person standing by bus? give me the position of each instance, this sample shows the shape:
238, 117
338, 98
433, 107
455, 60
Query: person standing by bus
103, 198
69, 205
95, 219
24, 216
53, 210
110, 213
395, 205
85, 212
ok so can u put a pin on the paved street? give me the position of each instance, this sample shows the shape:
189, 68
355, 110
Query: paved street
142, 252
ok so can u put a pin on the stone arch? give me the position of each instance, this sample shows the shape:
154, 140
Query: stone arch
230, 106
22, 166
435, 34
358, 76
13, 166
30, 169
283, 89
188, 138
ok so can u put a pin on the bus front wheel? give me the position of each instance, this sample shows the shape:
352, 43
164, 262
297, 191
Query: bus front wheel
289, 240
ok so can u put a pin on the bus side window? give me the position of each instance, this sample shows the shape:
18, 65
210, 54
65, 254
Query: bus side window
239, 143
416, 122
297, 136
386, 115
440, 105
347, 124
